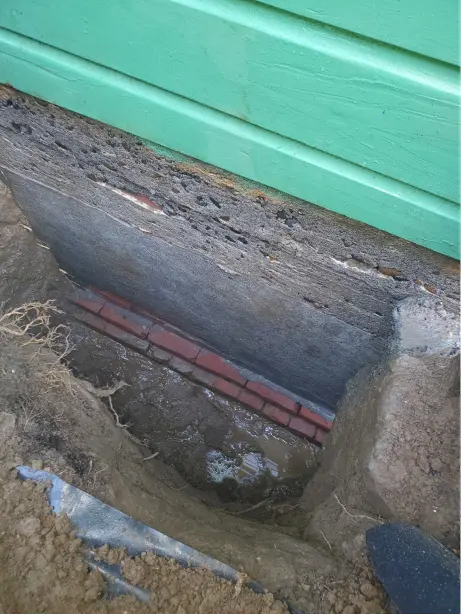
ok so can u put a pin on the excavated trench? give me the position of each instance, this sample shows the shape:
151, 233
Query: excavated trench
162, 446
220, 446
67, 426
294, 296
303, 316
235, 457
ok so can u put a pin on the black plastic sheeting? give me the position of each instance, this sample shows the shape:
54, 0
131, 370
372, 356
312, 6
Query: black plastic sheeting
419, 574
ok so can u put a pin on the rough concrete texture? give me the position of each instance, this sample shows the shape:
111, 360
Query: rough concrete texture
394, 449
289, 290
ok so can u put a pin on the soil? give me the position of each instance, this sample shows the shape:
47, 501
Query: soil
52, 420
41, 565
235, 458
41, 569
394, 452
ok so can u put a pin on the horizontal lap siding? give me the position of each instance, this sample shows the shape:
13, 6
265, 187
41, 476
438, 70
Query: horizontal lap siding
427, 27
245, 80
368, 104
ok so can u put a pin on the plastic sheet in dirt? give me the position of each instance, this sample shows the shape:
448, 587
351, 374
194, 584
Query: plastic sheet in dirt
99, 524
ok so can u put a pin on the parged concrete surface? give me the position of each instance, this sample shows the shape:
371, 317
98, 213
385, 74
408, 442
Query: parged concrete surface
289, 290
394, 449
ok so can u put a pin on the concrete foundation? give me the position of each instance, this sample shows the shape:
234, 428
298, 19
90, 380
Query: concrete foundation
295, 293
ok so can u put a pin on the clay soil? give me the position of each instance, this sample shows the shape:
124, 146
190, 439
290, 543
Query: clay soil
42, 571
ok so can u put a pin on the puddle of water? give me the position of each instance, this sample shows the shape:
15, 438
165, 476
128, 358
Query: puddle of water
259, 454
219, 466
284, 455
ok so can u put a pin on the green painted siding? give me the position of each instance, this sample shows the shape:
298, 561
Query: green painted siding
283, 98
427, 27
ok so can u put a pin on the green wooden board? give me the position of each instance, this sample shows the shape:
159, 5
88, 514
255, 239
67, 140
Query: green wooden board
228, 142
427, 27
383, 109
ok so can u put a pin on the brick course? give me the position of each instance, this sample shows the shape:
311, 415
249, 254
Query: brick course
276, 414
202, 376
93, 305
149, 335
216, 364
302, 427
315, 418
227, 388
251, 400
123, 303
112, 331
126, 320
174, 343
273, 397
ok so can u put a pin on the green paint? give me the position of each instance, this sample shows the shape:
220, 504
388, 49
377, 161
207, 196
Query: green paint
166, 152
376, 106
307, 97
229, 143
427, 27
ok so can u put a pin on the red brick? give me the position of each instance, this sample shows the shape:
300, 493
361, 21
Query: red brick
181, 366
159, 355
93, 305
174, 343
315, 418
126, 338
276, 414
216, 364
126, 320
123, 303
253, 401
227, 388
320, 436
90, 319
302, 427
274, 397
146, 313
112, 331
203, 377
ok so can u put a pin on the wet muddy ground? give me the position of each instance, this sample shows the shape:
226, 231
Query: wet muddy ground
234, 456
